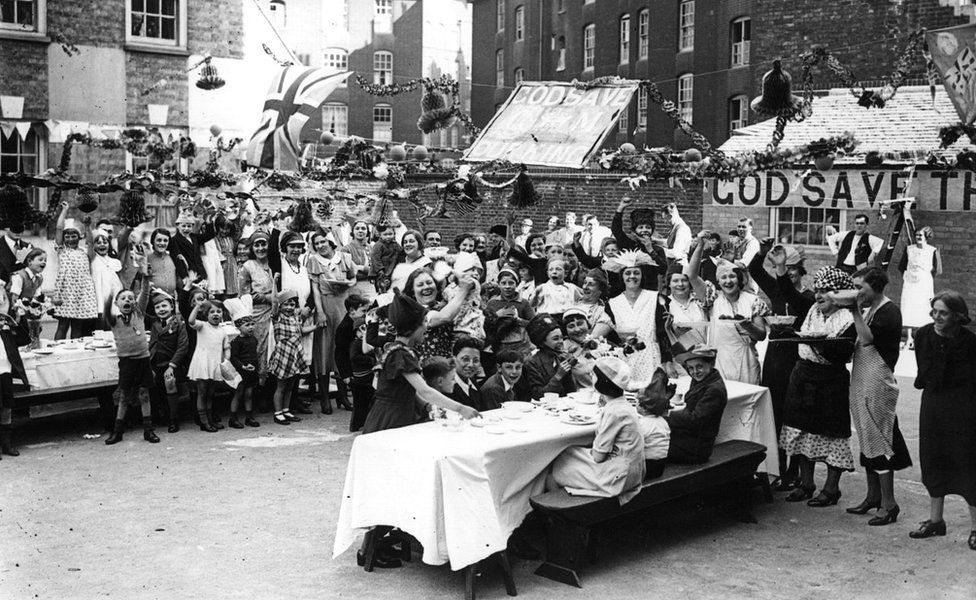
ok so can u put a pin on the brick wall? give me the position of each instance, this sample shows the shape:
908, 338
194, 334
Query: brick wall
216, 27
560, 192
23, 72
142, 69
99, 23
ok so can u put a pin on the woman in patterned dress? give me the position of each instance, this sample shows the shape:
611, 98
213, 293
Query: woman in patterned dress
256, 279
817, 418
874, 394
438, 338
75, 304
287, 360
332, 274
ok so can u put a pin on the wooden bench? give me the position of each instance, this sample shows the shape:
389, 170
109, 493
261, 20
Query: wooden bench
571, 519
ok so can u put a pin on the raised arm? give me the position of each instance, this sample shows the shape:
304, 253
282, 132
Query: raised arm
447, 314
691, 270
617, 226
429, 394
59, 226
765, 281
192, 320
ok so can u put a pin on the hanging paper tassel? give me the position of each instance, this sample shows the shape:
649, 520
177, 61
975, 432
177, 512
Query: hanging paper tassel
471, 191
87, 200
132, 209
382, 211
16, 211
301, 217
523, 193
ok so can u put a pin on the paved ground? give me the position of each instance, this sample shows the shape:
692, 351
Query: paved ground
251, 514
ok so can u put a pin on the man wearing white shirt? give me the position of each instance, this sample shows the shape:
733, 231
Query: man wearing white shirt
747, 249
678, 242
854, 249
526, 226
593, 235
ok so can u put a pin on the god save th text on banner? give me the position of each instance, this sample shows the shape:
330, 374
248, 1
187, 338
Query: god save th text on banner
552, 124
936, 190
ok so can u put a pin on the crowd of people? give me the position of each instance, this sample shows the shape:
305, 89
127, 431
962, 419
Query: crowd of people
410, 327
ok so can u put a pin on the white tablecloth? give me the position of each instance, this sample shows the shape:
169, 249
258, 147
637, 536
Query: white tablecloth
67, 367
463, 493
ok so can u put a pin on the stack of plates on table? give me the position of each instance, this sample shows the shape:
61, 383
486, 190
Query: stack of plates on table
517, 407
585, 396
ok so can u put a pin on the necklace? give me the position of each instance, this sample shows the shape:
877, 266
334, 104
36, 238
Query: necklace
295, 270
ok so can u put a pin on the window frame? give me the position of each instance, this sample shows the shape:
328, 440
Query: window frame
140, 41
38, 29
519, 23
643, 34
743, 116
331, 121
739, 51
518, 76
623, 122
589, 46
776, 221
388, 108
500, 15
327, 61
382, 19
378, 71
37, 196
642, 102
686, 26
623, 35
686, 96
500, 68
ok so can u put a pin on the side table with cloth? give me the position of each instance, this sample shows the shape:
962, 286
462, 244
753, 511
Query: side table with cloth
461, 494
67, 367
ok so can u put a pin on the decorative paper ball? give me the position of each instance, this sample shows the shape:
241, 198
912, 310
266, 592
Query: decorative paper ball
824, 162
326, 138
420, 153
215, 130
873, 159
627, 148
693, 155
397, 153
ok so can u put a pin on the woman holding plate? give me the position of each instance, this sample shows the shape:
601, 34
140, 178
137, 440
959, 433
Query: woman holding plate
737, 318
817, 419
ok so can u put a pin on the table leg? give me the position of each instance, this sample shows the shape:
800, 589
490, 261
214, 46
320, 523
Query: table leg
502, 558
470, 573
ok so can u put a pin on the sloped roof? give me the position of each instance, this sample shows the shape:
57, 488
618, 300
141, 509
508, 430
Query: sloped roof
909, 123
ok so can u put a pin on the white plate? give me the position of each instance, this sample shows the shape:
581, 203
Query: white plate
579, 420
476, 422
43, 351
495, 430
510, 414
519, 428
517, 406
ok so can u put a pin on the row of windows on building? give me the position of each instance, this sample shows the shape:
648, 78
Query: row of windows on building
337, 59
740, 35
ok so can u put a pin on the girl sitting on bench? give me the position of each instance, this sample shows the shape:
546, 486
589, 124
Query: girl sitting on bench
614, 466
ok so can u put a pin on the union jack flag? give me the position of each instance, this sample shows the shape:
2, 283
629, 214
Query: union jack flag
295, 94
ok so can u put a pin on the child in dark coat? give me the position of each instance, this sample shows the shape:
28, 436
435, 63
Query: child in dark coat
244, 357
168, 354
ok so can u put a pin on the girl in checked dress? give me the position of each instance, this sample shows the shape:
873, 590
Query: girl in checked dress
287, 361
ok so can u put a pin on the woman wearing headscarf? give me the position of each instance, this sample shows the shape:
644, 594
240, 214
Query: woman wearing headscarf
946, 354
817, 419
737, 318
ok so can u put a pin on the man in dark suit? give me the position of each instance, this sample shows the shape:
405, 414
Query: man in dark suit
467, 368
12, 251
506, 385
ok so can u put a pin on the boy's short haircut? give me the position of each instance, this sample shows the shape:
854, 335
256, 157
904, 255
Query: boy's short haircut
244, 320
508, 355
466, 341
435, 367
354, 301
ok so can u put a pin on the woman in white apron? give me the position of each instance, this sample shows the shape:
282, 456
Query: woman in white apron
918, 264
637, 314
874, 395
736, 323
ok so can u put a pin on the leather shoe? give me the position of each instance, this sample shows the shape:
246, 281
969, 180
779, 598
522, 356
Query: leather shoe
114, 438
150, 436
380, 561
889, 517
864, 507
824, 498
928, 529
801, 493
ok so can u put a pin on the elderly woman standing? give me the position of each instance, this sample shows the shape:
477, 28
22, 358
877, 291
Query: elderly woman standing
817, 419
946, 355
637, 314
737, 322
256, 279
874, 394
332, 274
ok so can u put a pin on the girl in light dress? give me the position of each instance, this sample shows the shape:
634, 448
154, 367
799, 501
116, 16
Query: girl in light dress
75, 304
211, 350
105, 271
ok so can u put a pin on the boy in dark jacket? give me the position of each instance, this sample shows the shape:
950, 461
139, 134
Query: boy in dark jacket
168, 354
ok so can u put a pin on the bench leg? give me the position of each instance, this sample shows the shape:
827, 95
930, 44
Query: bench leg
738, 506
593, 545
566, 546
763, 480
470, 573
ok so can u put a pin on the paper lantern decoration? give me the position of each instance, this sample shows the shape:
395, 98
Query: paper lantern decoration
627, 148
693, 155
873, 159
87, 200
420, 153
326, 138
523, 191
824, 162
436, 119
777, 97
215, 130
209, 79
397, 153
132, 209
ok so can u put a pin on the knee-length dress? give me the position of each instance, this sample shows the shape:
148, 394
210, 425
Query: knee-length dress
874, 393
74, 286
947, 420
209, 352
918, 285
257, 279
333, 304
287, 359
227, 247
296, 278
395, 399
105, 275
737, 358
638, 320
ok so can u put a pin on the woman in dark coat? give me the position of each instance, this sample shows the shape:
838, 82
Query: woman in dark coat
946, 356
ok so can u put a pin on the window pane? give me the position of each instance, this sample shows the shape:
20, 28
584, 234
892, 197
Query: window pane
816, 215
785, 214
783, 234
152, 27
152, 6
800, 214
138, 5
169, 29
169, 8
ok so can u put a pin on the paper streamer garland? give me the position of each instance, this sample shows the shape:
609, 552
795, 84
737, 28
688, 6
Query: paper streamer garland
435, 117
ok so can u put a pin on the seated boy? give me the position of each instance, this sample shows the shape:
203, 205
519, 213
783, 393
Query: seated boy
506, 384
467, 368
